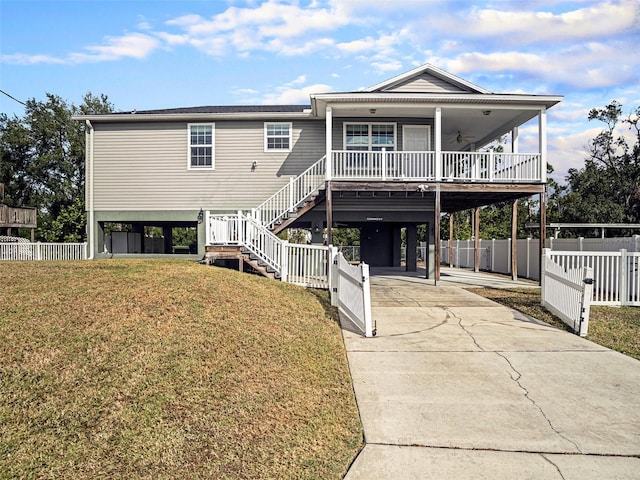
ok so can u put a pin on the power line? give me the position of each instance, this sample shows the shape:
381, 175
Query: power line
13, 98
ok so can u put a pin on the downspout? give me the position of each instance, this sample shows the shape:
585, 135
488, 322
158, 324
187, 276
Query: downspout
89, 189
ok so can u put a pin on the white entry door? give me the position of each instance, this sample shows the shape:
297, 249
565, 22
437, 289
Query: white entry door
416, 138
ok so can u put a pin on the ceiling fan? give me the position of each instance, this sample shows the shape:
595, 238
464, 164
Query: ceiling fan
460, 138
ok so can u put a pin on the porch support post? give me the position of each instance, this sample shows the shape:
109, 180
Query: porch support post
437, 132
542, 143
329, 205
476, 239
397, 246
514, 140
329, 146
451, 239
543, 229
514, 240
436, 234
412, 243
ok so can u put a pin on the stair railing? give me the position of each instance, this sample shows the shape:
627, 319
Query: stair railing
286, 200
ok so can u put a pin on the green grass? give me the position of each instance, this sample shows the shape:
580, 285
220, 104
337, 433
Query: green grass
612, 327
169, 369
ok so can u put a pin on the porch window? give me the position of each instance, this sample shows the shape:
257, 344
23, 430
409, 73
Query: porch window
201, 146
277, 137
370, 136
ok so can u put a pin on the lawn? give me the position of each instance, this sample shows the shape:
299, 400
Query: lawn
169, 369
612, 327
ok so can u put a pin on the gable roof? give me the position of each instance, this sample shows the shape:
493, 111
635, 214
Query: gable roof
426, 79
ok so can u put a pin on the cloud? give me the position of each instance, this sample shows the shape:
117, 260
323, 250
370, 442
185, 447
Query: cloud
134, 45
25, 59
290, 94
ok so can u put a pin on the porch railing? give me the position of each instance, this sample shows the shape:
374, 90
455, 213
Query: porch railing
285, 201
455, 166
306, 265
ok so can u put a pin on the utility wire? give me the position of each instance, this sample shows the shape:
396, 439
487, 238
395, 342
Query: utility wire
13, 98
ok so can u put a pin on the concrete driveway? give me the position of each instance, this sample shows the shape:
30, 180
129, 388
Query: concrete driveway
456, 386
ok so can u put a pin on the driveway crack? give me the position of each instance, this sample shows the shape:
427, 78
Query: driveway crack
464, 329
527, 395
556, 466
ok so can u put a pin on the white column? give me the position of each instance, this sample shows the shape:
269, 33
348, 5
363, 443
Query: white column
437, 129
329, 147
542, 143
514, 140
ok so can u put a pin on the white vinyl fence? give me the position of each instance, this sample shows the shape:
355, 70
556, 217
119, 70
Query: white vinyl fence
567, 293
495, 255
350, 292
43, 251
616, 275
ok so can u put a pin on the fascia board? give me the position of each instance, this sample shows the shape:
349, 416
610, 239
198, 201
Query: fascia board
192, 117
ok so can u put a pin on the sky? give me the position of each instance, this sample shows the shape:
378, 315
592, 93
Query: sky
153, 54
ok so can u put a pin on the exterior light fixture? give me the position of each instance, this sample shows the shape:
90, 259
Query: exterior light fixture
254, 164
372, 111
200, 216
486, 112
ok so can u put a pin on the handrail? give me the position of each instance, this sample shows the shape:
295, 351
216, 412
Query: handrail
289, 197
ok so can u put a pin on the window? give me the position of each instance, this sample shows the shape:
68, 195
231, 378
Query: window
370, 136
201, 146
277, 137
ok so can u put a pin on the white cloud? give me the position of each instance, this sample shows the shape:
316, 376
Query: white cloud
25, 59
287, 94
134, 45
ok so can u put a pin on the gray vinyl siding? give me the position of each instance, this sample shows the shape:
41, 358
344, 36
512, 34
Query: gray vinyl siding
425, 83
143, 166
337, 136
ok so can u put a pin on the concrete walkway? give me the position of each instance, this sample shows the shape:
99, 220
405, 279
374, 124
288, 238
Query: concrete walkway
455, 386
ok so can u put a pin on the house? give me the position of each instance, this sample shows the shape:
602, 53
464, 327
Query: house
393, 156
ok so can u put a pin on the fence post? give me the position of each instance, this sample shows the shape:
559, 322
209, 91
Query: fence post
368, 323
623, 281
543, 264
334, 276
585, 307
580, 239
84, 251
284, 261
38, 252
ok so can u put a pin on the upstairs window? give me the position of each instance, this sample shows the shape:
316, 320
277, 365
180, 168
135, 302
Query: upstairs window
277, 137
201, 149
370, 136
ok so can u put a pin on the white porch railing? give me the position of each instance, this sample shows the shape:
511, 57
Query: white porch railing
418, 166
350, 291
305, 265
567, 293
43, 251
285, 201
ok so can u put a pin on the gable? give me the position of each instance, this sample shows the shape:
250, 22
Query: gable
425, 83
426, 79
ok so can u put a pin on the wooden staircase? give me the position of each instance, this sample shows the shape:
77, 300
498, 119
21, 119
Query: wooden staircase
307, 206
242, 255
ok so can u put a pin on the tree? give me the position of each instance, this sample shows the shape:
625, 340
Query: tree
607, 188
42, 163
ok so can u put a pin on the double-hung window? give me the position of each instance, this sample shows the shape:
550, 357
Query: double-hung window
201, 146
370, 136
277, 137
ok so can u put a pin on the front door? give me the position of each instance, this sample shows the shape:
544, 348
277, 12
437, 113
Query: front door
416, 138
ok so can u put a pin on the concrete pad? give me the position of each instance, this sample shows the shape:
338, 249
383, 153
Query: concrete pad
457, 386
388, 462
